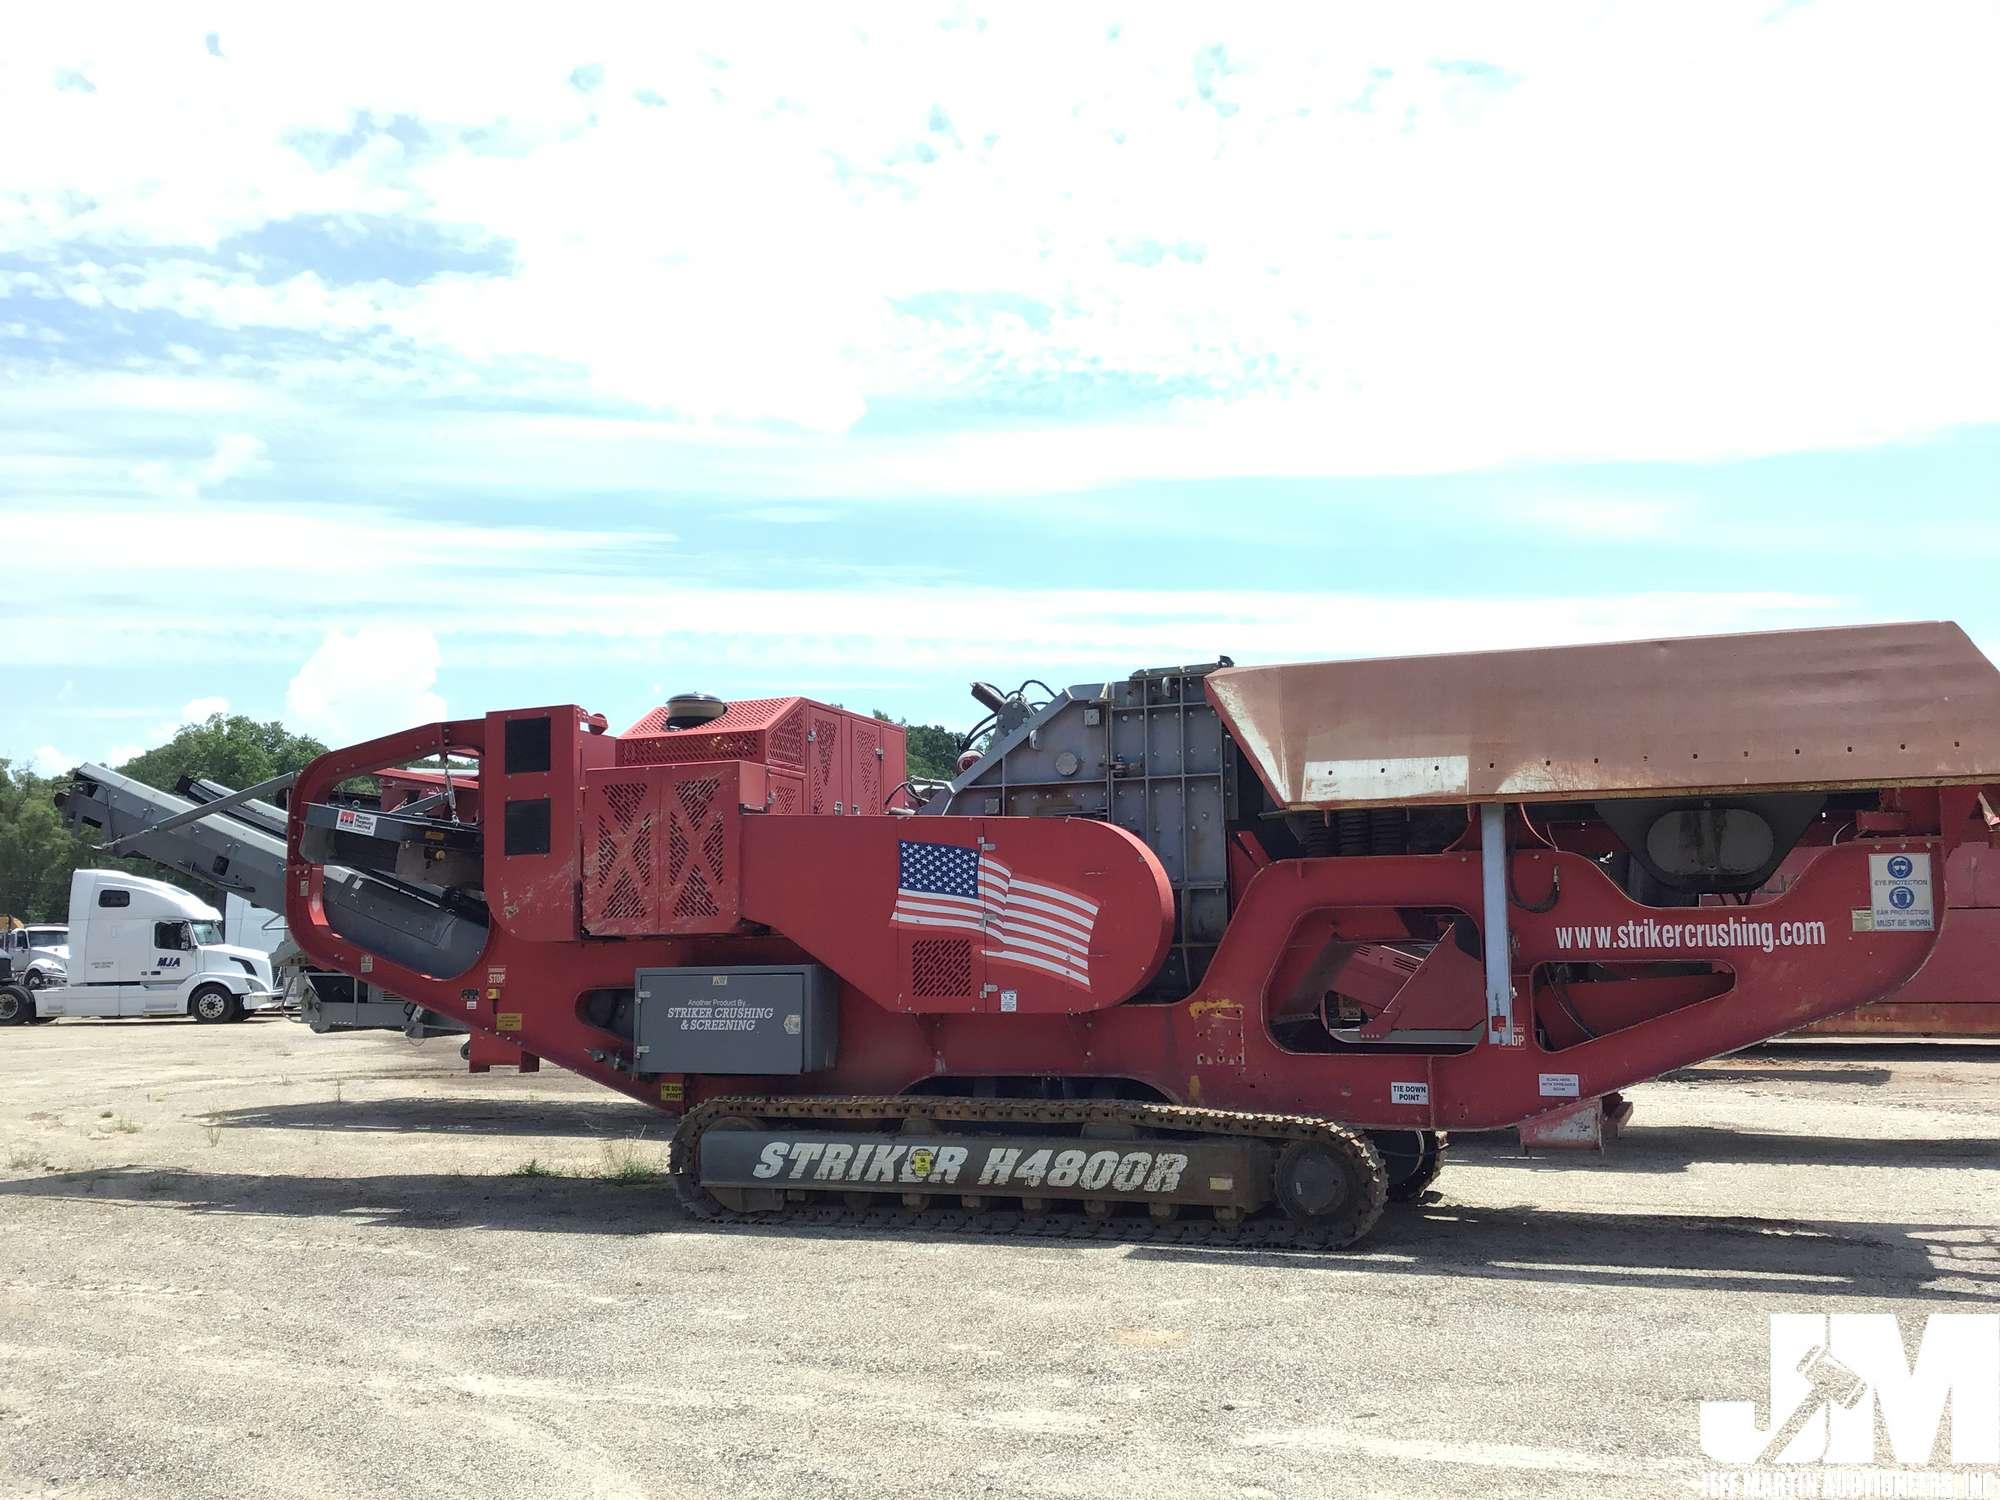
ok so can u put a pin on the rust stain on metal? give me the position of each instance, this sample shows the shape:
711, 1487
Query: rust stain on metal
1226, 1008
1877, 705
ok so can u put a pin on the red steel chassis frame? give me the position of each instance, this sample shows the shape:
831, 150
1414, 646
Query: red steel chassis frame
1214, 1047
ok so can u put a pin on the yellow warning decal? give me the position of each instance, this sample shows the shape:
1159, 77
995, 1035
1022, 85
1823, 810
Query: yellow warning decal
508, 1020
672, 1092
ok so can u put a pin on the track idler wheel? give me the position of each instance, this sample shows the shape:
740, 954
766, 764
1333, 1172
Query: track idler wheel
1330, 1184
710, 1203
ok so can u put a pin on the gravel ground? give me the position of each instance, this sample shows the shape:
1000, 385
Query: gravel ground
248, 1261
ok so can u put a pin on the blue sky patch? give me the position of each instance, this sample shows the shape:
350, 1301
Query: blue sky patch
863, 361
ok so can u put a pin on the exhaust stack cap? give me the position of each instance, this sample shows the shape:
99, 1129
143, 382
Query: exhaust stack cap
692, 710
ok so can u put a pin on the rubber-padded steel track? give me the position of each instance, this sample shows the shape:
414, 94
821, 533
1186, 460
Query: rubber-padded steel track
943, 1213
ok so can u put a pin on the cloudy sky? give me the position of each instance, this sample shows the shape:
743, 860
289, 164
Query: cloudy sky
365, 365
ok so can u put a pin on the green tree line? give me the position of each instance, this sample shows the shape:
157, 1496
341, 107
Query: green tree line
38, 853
932, 749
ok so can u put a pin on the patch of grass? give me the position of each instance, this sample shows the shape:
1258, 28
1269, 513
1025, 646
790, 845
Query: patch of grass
534, 1167
626, 1161
212, 1133
337, 1099
104, 1114
25, 1161
125, 1125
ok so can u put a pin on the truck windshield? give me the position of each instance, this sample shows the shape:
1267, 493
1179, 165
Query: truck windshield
206, 932
42, 937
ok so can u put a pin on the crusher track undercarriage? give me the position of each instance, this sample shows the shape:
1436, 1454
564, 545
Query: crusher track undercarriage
1106, 1168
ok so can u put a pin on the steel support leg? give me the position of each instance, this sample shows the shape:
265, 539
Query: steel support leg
1499, 950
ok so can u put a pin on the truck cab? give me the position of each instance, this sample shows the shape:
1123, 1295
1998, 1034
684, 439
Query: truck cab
38, 954
140, 947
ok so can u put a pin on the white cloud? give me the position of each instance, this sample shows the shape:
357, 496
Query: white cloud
292, 547
49, 761
1352, 240
790, 515
939, 631
234, 454
361, 683
541, 593
1200, 247
1604, 518
96, 711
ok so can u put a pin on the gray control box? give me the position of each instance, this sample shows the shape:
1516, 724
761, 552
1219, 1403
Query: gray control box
750, 1018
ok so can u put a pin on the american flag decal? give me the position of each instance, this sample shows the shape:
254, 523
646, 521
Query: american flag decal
1025, 922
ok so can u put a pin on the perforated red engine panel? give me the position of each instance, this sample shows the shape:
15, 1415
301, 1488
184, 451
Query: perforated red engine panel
851, 762
769, 731
660, 853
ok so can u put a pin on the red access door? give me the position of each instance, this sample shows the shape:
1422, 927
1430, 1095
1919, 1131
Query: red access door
661, 848
621, 851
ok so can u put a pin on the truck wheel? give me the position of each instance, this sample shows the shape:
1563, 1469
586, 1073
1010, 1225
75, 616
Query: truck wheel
37, 980
214, 1003
17, 1006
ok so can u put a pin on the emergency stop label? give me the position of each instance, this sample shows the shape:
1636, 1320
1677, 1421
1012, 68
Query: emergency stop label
1899, 890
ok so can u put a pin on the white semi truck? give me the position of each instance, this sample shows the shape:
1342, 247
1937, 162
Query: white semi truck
140, 947
37, 953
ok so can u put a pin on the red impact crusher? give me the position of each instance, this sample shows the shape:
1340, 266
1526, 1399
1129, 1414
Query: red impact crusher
1217, 952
